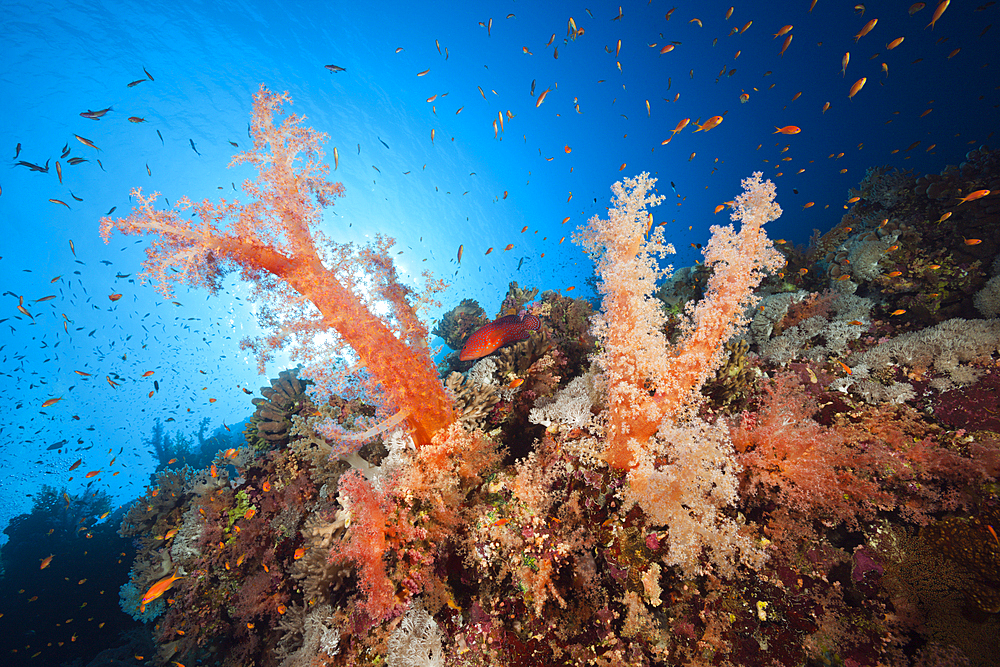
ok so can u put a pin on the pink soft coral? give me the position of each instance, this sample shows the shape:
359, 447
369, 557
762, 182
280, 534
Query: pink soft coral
308, 284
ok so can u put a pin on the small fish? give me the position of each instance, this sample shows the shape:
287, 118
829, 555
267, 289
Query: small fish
75, 465
858, 85
136, 119
59, 171
114, 297
972, 241
788, 129
898, 311
51, 401
916, 7
77, 160
146, 72
867, 29
510, 246
46, 562
334, 68
784, 46
336, 158
160, 136
784, 30
894, 43
193, 146
461, 249
846, 368
709, 124
92, 473
158, 589
894, 274
943, 5
426, 71
86, 142
95, 115
300, 552
59, 201
133, 84
978, 194
541, 97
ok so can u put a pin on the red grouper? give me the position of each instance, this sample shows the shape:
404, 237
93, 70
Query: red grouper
490, 338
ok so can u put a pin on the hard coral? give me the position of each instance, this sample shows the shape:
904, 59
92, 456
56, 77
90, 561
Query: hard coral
272, 421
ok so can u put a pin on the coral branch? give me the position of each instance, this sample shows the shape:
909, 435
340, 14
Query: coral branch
649, 379
306, 282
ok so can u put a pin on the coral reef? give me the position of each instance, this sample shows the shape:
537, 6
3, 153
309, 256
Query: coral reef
636, 486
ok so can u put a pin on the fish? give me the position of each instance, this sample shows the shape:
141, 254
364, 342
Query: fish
788, 129
51, 401
978, 194
17, 151
92, 473
943, 5
709, 124
160, 136
136, 119
75, 465
59, 171
133, 84
894, 43
867, 29
334, 68
426, 71
59, 201
86, 142
148, 75
784, 46
95, 115
510, 246
300, 552
719, 208
158, 589
193, 146
898, 311
114, 297
46, 561
784, 30
858, 85
541, 97
916, 7
843, 63
336, 158
508, 329
56, 445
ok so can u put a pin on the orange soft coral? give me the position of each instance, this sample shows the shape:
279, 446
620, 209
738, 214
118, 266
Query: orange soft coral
307, 282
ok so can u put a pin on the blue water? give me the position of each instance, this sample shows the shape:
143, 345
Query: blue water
466, 187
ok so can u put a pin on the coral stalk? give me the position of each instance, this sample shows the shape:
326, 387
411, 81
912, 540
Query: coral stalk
649, 379
307, 283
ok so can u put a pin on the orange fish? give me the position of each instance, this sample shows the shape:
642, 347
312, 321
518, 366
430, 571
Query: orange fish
489, 250
75, 465
867, 29
461, 249
46, 561
423, 73
972, 241
784, 46
214, 471
515, 383
88, 142
843, 63
781, 32
249, 514
510, 246
300, 552
147, 374
709, 124
858, 85
51, 401
59, 201
894, 274
808, 204
978, 194
788, 129
719, 208
894, 43
110, 381
899, 311
114, 297
943, 5
92, 473
916, 7
266, 486
856, 323
845, 367
541, 98
158, 589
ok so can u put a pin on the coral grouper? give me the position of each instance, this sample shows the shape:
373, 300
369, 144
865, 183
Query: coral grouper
490, 338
